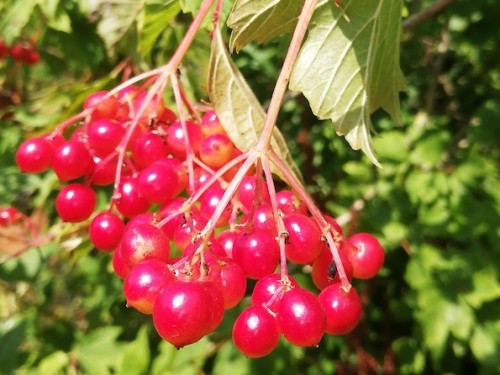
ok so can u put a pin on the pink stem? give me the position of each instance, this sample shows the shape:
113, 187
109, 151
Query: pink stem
280, 226
316, 214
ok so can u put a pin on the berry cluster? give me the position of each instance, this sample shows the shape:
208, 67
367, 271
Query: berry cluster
186, 239
21, 52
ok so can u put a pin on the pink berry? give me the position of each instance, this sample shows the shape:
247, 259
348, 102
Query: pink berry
257, 252
324, 270
255, 332
233, 282
177, 140
366, 255
157, 182
75, 203
248, 189
304, 239
144, 282
106, 230
210, 124
182, 313
209, 202
216, 150
34, 155
290, 203
130, 202
104, 136
270, 290
72, 160
148, 148
144, 241
301, 318
120, 268
343, 310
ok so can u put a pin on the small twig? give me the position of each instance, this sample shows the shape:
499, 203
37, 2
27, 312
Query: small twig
417, 18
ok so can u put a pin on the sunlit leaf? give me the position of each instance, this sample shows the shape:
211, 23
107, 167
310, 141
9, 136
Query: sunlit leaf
236, 105
14, 19
157, 16
349, 70
115, 18
261, 20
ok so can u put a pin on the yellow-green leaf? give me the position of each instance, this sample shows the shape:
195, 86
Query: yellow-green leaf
261, 20
349, 70
238, 109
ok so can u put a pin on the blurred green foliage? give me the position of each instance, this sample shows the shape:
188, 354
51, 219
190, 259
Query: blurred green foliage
435, 204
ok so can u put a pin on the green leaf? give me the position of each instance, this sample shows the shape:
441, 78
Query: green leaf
411, 359
12, 334
15, 18
184, 361
54, 363
99, 351
261, 20
485, 287
485, 344
157, 16
239, 110
349, 70
136, 355
190, 6
116, 19
193, 6
435, 327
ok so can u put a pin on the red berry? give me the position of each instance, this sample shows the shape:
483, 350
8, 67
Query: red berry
119, 266
183, 235
257, 252
210, 124
216, 305
103, 171
290, 203
324, 270
216, 150
177, 140
343, 310
157, 182
102, 108
226, 239
233, 282
180, 169
335, 227
105, 231
104, 136
71, 160
255, 332
31, 56
270, 290
144, 282
247, 192
144, 241
182, 313
301, 318
148, 148
263, 218
75, 203
17, 51
366, 255
34, 155
209, 202
130, 202
9, 216
304, 239
166, 210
